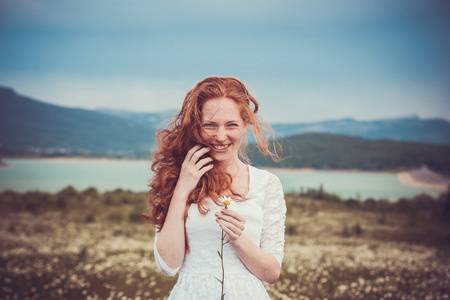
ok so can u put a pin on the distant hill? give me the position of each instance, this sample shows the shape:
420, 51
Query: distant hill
331, 151
414, 129
148, 119
31, 126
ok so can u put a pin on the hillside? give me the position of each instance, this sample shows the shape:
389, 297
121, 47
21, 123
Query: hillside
329, 151
30, 126
413, 129
148, 119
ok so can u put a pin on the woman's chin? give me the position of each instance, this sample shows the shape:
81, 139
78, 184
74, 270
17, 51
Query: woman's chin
221, 157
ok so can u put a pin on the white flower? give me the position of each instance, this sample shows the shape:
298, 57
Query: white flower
225, 200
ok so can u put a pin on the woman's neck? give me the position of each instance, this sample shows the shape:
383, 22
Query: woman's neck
239, 172
234, 167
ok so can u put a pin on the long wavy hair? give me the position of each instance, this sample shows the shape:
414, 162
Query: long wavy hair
184, 132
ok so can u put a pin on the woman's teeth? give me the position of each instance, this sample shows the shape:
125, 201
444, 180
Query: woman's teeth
220, 147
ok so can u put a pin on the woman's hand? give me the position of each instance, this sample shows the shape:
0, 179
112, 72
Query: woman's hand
171, 239
193, 169
232, 223
259, 262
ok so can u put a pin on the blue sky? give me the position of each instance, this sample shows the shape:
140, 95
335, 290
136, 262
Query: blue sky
304, 60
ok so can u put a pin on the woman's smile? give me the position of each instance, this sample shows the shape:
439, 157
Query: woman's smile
220, 147
223, 128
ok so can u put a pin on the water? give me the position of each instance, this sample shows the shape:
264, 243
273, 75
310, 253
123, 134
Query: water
360, 185
54, 175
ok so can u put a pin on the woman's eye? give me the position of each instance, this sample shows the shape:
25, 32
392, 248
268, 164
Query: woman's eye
209, 126
233, 125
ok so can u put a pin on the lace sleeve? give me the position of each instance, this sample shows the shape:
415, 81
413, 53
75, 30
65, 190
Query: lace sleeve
274, 216
162, 266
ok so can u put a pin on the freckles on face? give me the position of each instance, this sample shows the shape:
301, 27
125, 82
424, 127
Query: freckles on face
222, 125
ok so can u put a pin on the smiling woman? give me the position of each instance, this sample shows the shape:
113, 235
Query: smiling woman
201, 159
223, 128
215, 116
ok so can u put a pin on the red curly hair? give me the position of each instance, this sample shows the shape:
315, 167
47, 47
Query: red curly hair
183, 133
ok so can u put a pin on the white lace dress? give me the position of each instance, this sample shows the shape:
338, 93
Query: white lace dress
265, 214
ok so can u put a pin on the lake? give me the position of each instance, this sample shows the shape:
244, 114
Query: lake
52, 175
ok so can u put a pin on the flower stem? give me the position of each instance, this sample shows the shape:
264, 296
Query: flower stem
223, 270
221, 258
226, 202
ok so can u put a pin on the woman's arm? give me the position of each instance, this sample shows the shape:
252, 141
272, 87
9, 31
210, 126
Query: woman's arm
171, 238
264, 260
171, 241
260, 263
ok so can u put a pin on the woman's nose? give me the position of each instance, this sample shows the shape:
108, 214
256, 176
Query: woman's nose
221, 134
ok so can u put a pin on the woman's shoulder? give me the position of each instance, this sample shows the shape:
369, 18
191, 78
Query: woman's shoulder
267, 187
262, 175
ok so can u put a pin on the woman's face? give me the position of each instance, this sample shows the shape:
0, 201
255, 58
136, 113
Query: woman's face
223, 128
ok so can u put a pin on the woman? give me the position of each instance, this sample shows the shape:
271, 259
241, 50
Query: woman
200, 159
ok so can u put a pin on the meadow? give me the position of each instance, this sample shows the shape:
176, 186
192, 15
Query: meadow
86, 245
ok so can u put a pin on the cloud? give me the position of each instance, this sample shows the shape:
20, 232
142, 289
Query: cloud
131, 54
306, 102
134, 14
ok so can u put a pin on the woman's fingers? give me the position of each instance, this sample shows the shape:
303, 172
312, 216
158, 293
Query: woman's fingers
205, 169
192, 151
240, 224
233, 214
198, 153
230, 234
202, 162
192, 163
193, 168
233, 224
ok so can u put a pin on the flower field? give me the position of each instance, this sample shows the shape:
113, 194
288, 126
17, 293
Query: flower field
85, 245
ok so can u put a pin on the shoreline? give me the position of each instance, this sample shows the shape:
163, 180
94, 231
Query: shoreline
311, 170
417, 178
424, 178
75, 158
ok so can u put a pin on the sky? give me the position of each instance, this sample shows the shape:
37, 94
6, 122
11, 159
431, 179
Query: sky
305, 61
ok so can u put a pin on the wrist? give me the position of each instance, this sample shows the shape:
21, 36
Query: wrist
237, 243
180, 195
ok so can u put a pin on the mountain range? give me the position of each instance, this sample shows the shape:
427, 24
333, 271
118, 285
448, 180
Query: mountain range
28, 126
333, 151
411, 128
34, 128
